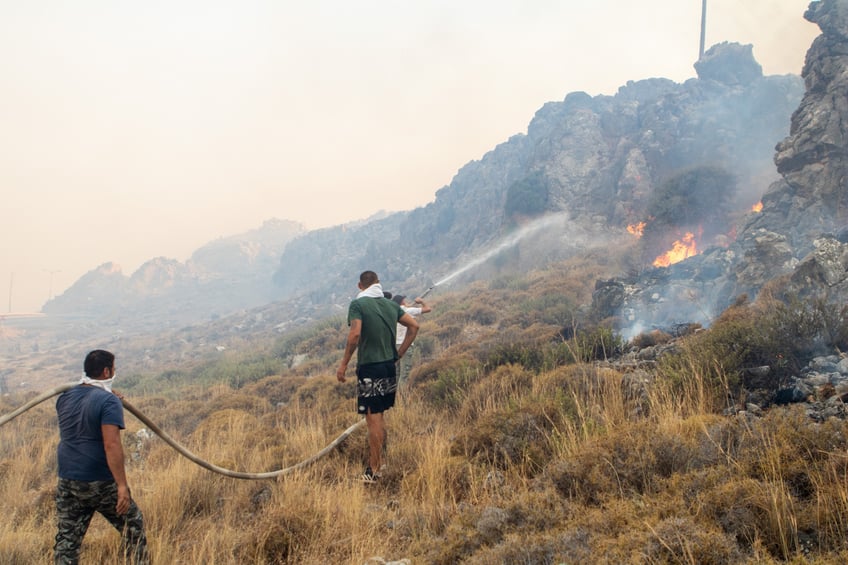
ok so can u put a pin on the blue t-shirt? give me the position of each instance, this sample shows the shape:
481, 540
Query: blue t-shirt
81, 411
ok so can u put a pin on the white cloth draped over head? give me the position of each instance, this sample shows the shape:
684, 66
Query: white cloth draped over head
373, 291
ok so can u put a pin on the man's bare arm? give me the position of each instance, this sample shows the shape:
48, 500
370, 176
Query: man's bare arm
350, 347
115, 460
424, 307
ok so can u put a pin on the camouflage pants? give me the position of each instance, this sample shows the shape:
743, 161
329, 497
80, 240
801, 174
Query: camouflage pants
76, 503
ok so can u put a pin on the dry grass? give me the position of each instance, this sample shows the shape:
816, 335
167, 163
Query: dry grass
546, 469
508, 462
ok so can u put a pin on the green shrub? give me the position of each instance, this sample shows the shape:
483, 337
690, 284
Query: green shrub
550, 308
444, 383
527, 197
424, 346
701, 195
323, 333
531, 356
484, 315
509, 282
598, 343
780, 334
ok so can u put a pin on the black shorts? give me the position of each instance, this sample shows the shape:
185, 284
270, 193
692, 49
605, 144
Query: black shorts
376, 387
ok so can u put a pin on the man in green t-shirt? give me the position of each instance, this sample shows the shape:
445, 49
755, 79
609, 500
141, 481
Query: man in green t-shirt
373, 321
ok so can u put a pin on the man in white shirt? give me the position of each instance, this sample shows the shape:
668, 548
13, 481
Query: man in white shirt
405, 363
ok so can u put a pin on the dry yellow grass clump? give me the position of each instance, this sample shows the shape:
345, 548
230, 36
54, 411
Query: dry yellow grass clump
530, 449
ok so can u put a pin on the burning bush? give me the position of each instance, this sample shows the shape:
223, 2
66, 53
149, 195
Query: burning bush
690, 207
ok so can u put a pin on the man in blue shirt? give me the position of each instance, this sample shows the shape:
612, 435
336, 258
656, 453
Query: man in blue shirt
91, 465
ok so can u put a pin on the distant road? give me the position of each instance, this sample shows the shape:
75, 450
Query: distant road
15, 315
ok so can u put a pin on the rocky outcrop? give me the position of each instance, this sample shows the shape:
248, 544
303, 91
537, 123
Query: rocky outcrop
798, 238
808, 206
598, 160
729, 63
812, 196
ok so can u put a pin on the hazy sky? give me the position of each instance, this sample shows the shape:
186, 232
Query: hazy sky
132, 130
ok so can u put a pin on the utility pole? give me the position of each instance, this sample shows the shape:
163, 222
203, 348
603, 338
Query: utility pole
703, 28
52, 272
11, 282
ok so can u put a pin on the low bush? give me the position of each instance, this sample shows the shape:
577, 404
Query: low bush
443, 384
781, 335
507, 437
599, 343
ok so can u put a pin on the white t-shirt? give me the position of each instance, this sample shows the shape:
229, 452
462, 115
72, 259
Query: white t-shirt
413, 311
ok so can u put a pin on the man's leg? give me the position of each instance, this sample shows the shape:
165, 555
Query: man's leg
403, 368
376, 436
130, 525
73, 515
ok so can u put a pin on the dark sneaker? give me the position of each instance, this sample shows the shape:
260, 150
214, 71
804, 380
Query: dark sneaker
369, 476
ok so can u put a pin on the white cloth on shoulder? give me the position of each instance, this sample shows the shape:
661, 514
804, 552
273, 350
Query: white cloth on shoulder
373, 291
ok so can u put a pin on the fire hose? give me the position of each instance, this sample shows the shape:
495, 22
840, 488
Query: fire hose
426, 292
181, 449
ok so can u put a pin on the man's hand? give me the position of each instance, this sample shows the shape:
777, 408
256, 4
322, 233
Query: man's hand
124, 499
350, 347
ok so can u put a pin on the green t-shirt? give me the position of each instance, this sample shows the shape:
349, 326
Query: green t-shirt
379, 322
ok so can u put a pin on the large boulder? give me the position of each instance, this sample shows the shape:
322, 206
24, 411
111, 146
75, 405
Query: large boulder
730, 64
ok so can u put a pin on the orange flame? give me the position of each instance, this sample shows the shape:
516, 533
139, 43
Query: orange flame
680, 250
758, 207
636, 229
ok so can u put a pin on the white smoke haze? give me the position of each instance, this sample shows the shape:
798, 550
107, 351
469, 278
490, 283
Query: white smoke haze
138, 130
668, 307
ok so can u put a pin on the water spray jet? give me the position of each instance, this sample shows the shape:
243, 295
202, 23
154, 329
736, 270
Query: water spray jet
510, 241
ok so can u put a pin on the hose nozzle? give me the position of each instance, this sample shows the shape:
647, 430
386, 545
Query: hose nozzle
426, 292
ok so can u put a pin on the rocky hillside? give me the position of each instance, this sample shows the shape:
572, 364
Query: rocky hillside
222, 277
658, 160
598, 162
798, 239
